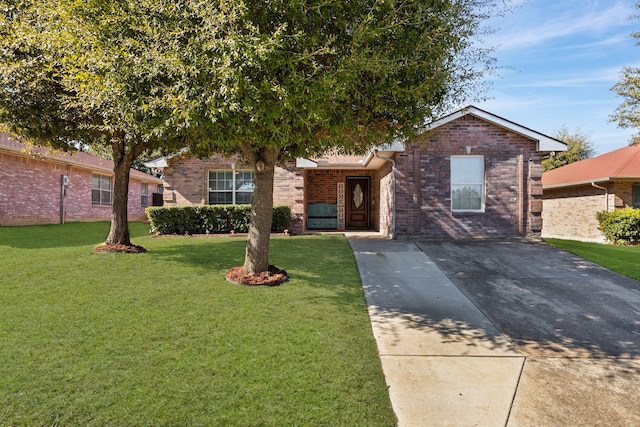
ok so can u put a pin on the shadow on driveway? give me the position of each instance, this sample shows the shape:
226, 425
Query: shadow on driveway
548, 302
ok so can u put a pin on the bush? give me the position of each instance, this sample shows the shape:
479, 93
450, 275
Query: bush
212, 219
621, 226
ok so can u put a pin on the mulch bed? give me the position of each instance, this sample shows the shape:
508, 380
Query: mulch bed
272, 277
129, 249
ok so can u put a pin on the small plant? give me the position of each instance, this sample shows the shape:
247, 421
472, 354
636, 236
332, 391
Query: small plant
621, 226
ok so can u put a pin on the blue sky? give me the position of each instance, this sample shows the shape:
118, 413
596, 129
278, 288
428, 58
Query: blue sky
563, 57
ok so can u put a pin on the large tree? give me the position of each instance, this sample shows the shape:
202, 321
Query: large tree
579, 147
628, 112
93, 73
296, 78
265, 79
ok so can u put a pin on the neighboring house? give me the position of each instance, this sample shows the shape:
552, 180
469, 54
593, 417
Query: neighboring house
575, 193
470, 174
39, 187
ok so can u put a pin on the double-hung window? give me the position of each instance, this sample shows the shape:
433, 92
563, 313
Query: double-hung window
230, 187
144, 195
467, 183
636, 196
101, 189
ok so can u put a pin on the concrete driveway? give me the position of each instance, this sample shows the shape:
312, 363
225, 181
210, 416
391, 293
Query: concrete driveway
576, 324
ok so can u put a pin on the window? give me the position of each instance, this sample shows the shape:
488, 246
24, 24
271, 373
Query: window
230, 187
100, 189
467, 183
636, 196
144, 195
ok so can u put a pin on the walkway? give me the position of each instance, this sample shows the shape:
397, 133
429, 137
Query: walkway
444, 362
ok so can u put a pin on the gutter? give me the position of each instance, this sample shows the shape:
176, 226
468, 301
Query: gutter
393, 184
574, 183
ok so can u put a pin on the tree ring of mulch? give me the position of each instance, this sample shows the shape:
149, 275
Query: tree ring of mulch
272, 277
129, 249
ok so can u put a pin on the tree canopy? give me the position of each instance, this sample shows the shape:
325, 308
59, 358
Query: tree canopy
92, 73
628, 112
267, 79
579, 147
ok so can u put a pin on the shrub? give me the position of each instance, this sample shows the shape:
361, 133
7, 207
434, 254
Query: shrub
621, 226
213, 219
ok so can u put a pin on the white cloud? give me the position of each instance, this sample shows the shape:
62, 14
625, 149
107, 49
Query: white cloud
539, 22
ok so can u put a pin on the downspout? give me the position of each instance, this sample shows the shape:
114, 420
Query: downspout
64, 181
606, 195
393, 186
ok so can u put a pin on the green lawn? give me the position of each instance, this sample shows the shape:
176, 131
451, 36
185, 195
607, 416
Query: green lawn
621, 259
161, 338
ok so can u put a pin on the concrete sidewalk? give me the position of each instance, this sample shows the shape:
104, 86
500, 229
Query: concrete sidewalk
444, 362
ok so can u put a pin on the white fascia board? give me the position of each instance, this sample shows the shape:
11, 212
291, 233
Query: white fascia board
576, 183
396, 146
159, 163
545, 143
305, 163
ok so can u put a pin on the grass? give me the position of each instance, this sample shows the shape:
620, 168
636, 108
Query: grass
161, 338
621, 259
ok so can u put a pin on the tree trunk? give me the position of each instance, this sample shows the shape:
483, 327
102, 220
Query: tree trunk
257, 252
119, 232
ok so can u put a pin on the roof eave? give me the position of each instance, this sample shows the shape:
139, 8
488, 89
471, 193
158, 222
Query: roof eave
544, 143
575, 183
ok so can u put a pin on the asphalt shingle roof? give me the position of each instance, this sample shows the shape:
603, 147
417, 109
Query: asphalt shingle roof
623, 163
77, 158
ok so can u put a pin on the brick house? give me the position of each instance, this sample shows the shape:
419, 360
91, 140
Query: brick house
575, 193
38, 187
470, 174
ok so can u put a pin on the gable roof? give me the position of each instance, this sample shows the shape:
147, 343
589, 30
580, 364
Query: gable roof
623, 163
78, 158
545, 142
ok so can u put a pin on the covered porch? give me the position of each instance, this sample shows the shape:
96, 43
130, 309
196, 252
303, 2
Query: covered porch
350, 194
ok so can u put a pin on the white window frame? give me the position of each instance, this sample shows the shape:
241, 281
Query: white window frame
144, 194
101, 190
480, 182
234, 181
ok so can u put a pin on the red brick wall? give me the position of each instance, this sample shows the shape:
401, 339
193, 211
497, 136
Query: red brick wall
30, 193
513, 190
512, 180
288, 189
187, 181
386, 200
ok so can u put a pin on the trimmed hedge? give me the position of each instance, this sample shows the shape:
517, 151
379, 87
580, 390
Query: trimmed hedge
621, 226
210, 219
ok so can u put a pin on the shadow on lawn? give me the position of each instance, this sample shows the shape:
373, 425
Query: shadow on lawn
72, 234
219, 254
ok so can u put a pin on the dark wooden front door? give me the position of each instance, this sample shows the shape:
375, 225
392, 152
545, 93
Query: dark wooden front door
357, 203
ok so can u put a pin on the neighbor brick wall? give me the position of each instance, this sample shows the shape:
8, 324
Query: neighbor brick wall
512, 179
570, 213
30, 193
623, 194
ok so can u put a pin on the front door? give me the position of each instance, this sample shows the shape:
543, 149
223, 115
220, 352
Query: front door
357, 203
